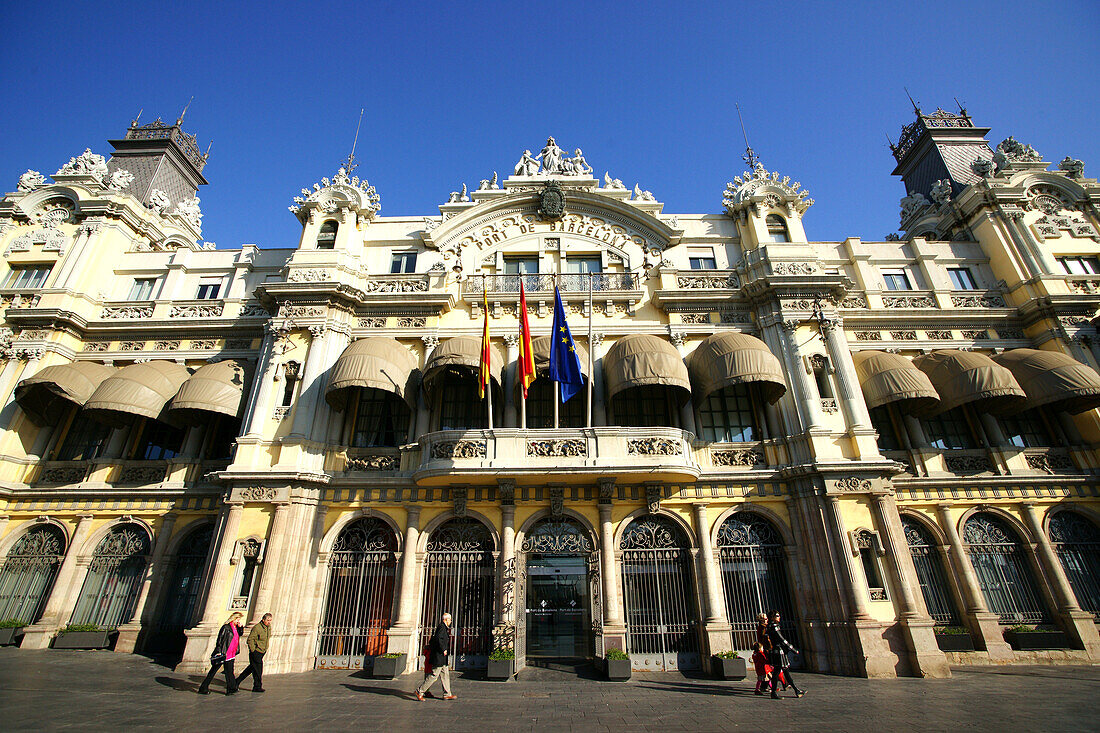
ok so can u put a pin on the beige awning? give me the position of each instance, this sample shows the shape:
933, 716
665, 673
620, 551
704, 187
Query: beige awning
376, 363
214, 388
966, 377
461, 352
1053, 380
891, 378
139, 390
729, 358
46, 396
540, 348
635, 361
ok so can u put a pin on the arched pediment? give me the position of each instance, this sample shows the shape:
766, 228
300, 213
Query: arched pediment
606, 222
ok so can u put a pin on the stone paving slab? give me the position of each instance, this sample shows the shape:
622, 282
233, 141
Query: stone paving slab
59, 690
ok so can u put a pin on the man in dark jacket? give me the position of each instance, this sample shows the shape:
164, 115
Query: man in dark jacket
257, 648
439, 656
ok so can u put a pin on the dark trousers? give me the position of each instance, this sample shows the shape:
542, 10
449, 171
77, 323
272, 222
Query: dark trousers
230, 680
256, 669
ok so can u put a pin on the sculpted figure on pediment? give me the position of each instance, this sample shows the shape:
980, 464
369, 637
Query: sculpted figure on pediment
527, 165
552, 157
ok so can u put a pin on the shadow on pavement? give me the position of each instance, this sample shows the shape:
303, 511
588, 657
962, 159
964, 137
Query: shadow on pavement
694, 688
391, 691
178, 684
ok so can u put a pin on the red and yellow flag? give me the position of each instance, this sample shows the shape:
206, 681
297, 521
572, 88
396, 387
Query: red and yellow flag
484, 372
526, 355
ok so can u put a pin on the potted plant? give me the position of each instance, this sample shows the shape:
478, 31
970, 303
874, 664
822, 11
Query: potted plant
84, 636
729, 666
1030, 638
618, 665
10, 630
500, 666
953, 639
388, 666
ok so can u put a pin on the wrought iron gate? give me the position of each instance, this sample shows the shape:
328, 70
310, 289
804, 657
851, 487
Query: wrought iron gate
1003, 574
183, 592
28, 573
661, 618
1077, 542
114, 578
359, 600
459, 578
754, 577
930, 574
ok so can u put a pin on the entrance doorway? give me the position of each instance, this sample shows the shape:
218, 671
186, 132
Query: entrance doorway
558, 613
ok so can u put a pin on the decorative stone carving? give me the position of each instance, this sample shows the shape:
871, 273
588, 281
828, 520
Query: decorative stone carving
653, 447
912, 204
258, 493
488, 184
1010, 150
1010, 333
63, 475
938, 335
613, 184
506, 490
189, 211
338, 194
853, 301
280, 412
379, 462
1051, 462
412, 322
403, 285
131, 345
551, 202
980, 334
794, 268
159, 201
120, 179
130, 312
372, 322
289, 310
607, 489
696, 318
459, 496
903, 335
852, 483
452, 449
978, 301
892, 237
982, 167
96, 345
307, 276
1072, 168
908, 301
653, 498
85, 164
828, 405
967, 464
557, 501
941, 191
868, 336
166, 346
253, 310
203, 344
641, 195
694, 281
738, 458
752, 188
566, 448
51, 239
30, 181
142, 474
213, 310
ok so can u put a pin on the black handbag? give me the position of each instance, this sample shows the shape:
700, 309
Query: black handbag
217, 659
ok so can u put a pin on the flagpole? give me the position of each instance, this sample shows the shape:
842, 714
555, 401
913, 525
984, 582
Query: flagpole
590, 349
519, 370
489, 381
557, 385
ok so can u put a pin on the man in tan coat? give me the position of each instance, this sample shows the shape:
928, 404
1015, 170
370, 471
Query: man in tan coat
257, 648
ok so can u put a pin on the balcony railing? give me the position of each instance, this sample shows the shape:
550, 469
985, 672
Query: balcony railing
569, 283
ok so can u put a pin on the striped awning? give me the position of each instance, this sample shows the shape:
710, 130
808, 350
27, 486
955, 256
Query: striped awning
138, 390
971, 378
463, 353
217, 389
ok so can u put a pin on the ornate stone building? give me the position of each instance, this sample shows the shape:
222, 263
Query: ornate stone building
878, 439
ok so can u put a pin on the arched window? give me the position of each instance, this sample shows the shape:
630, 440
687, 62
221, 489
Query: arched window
28, 573
728, 415
114, 578
1077, 542
327, 238
379, 418
182, 594
562, 589
930, 573
777, 228
359, 600
648, 406
754, 576
1004, 575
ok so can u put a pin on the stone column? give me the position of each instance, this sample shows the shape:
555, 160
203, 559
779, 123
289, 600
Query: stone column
62, 596
258, 407
403, 631
924, 654
311, 383
856, 586
1078, 623
322, 413
508, 570
274, 553
717, 623
614, 628
804, 391
510, 374
851, 395
599, 393
423, 412
155, 573
983, 624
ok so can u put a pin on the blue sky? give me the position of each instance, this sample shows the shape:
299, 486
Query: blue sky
453, 91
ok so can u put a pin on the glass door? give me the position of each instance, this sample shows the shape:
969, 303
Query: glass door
558, 610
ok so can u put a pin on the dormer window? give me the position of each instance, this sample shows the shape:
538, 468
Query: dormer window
777, 228
327, 238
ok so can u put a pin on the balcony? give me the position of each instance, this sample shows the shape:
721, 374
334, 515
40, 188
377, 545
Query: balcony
612, 292
629, 454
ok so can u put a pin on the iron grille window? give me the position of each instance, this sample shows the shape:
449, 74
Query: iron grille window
142, 289
643, 407
727, 416
1077, 542
28, 572
1026, 429
159, 441
950, 430
777, 228
883, 422
27, 276
961, 278
326, 239
381, 419
182, 593
896, 280
540, 407
84, 439
114, 578
459, 406
754, 576
930, 573
403, 262
1004, 576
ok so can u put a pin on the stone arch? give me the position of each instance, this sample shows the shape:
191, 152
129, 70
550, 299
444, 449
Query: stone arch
346, 520
1070, 506
1013, 522
543, 514
22, 528
437, 521
92, 542
680, 522
180, 534
33, 200
782, 528
927, 524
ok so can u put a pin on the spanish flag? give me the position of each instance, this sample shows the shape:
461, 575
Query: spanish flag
526, 355
484, 372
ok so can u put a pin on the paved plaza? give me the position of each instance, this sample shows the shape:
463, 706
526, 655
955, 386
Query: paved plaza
52, 690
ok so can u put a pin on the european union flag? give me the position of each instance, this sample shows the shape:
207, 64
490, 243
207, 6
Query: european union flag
565, 364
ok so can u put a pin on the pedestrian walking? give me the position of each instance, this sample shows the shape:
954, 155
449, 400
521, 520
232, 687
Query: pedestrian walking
225, 650
439, 656
257, 648
763, 669
777, 656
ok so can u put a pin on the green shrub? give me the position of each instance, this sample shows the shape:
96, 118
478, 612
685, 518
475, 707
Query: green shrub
11, 623
391, 655
616, 654
499, 655
1033, 629
728, 655
951, 630
82, 627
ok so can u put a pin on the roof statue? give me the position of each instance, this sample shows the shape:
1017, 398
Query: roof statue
341, 193
86, 164
612, 183
756, 188
553, 162
30, 181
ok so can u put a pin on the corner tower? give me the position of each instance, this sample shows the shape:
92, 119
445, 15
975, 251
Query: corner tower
161, 158
942, 145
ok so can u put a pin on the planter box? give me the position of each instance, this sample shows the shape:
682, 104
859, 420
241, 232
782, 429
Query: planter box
10, 636
955, 642
618, 670
388, 668
84, 640
499, 669
1035, 640
729, 669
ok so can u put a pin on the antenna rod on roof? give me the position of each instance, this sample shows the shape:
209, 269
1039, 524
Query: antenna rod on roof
350, 164
206, 156
962, 109
915, 107
133, 122
750, 155
189, 101
889, 141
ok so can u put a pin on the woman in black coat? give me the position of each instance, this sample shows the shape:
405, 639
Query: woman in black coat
225, 650
777, 657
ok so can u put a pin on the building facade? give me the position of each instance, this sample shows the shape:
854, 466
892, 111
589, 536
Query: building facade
881, 440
